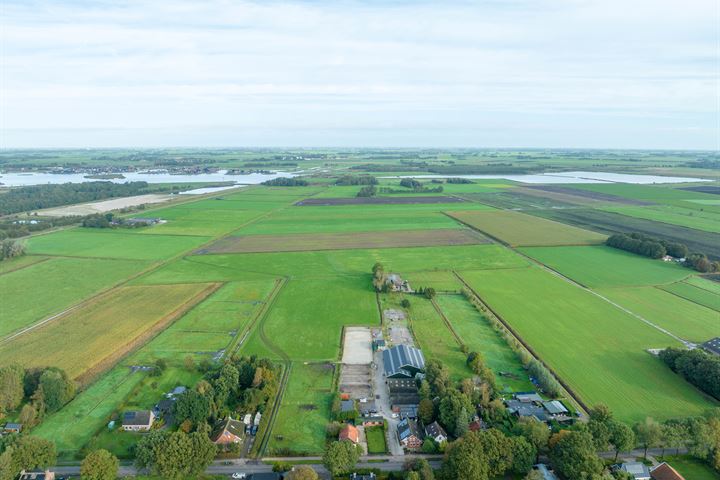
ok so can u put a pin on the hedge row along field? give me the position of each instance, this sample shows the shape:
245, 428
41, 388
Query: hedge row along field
518, 229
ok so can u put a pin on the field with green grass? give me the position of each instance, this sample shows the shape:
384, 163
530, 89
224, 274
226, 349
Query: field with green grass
607, 267
376, 440
18, 263
516, 229
695, 294
691, 218
599, 350
691, 468
704, 283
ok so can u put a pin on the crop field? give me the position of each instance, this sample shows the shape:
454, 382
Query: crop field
478, 334
303, 416
87, 242
588, 197
342, 241
211, 326
685, 319
519, 229
707, 221
602, 266
695, 294
47, 288
596, 348
90, 342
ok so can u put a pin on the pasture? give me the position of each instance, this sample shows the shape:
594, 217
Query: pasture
96, 335
518, 229
49, 287
691, 218
606, 266
695, 294
596, 348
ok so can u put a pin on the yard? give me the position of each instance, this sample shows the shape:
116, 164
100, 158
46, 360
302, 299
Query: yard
376, 439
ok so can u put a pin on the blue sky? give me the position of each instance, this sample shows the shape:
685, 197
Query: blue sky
513, 73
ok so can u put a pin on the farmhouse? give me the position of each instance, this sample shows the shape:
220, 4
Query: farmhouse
638, 470
527, 405
374, 421
409, 434
436, 432
350, 432
12, 428
712, 346
397, 284
665, 472
403, 361
37, 475
138, 420
228, 431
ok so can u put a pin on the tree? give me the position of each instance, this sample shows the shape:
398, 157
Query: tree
429, 293
574, 456
341, 457
599, 426
524, 454
534, 475
454, 408
99, 465
57, 388
621, 437
147, 446
28, 416
405, 303
675, 434
192, 406
536, 432
302, 472
465, 459
176, 455
648, 433
11, 387
31, 452
426, 410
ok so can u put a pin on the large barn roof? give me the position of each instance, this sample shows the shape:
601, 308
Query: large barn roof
713, 346
403, 360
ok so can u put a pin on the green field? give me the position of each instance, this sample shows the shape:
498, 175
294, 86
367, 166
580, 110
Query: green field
694, 294
17, 263
375, 439
49, 287
305, 409
691, 468
595, 347
685, 319
516, 228
607, 267
705, 284
691, 218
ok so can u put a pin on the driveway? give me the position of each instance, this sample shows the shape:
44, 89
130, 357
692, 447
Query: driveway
383, 406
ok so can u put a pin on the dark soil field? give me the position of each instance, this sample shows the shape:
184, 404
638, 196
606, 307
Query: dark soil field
587, 194
344, 241
327, 202
713, 190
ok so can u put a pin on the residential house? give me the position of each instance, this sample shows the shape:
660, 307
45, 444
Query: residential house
37, 475
12, 428
350, 432
436, 432
228, 431
638, 470
373, 421
138, 420
403, 361
409, 434
665, 472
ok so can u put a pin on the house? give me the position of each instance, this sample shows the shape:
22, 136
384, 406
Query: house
665, 472
409, 434
546, 473
638, 470
403, 361
374, 421
228, 431
522, 409
12, 428
350, 432
367, 476
712, 346
37, 475
347, 406
436, 432
138, 420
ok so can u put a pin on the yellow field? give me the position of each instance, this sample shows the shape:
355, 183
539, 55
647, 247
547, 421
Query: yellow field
519, 229
93, 337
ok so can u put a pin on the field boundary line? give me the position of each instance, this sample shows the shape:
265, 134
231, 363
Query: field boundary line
235, 346
42, 260
570, 392
659, 287
447, 322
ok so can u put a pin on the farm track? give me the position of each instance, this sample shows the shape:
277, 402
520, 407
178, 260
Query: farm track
447, 321
24, 266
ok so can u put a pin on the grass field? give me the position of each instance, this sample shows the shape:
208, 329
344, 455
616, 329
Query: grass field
707, 221
88, 242
47, 288
705, 284
97, 333
695, 294
691, 468
607, 267
685, 319
184, 220
17, 263
441, 280
305, 409
376, 440
477, 333
516, 228
595, 347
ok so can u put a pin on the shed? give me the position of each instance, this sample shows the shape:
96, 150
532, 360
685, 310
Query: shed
555, 407
347, 405
712, 346
403, 361
638, 470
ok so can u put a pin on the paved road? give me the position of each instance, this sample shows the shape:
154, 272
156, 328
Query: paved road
383, 405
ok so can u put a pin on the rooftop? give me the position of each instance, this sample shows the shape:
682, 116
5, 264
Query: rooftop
403, 360
137, 417
434, 430
665, 472
639, 470
712, 346
406, 428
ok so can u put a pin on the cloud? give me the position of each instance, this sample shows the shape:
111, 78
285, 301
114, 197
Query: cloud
586, 70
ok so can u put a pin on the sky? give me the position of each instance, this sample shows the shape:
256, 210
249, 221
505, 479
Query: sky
495, 73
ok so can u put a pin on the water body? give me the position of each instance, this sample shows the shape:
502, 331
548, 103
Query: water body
15, 179
571, 177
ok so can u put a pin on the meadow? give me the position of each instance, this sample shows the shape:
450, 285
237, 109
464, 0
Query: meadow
695, 294
596, 348
691, 218
516, 229
50, 286
602, 266
83, 341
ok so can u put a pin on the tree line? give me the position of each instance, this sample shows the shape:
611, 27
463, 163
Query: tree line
348, 180
286, 182
696, 366
657, 248
10, 249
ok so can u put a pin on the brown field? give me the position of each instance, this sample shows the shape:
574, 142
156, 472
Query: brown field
582, 196
92, 338
344, 241
327, 202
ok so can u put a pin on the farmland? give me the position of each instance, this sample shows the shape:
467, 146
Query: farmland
694, 293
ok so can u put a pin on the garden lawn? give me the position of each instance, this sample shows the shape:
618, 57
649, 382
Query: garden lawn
691, 468
49, 287
685, 319
95, 335
516, 229
478, 334
108, 243
375, 437
607, 267
595, 347
305, 410
695, 294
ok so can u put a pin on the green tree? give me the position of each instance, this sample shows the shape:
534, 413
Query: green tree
465, 459
536, 432
192, 406
341, 456
32, 452
99, 465
454, 408
426, 410
622, 437
11, 387
648, 434
675, 434
302, 472
57, 388
574, 456
147, 446
534, 475
180, 455
524, 454
599, 426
